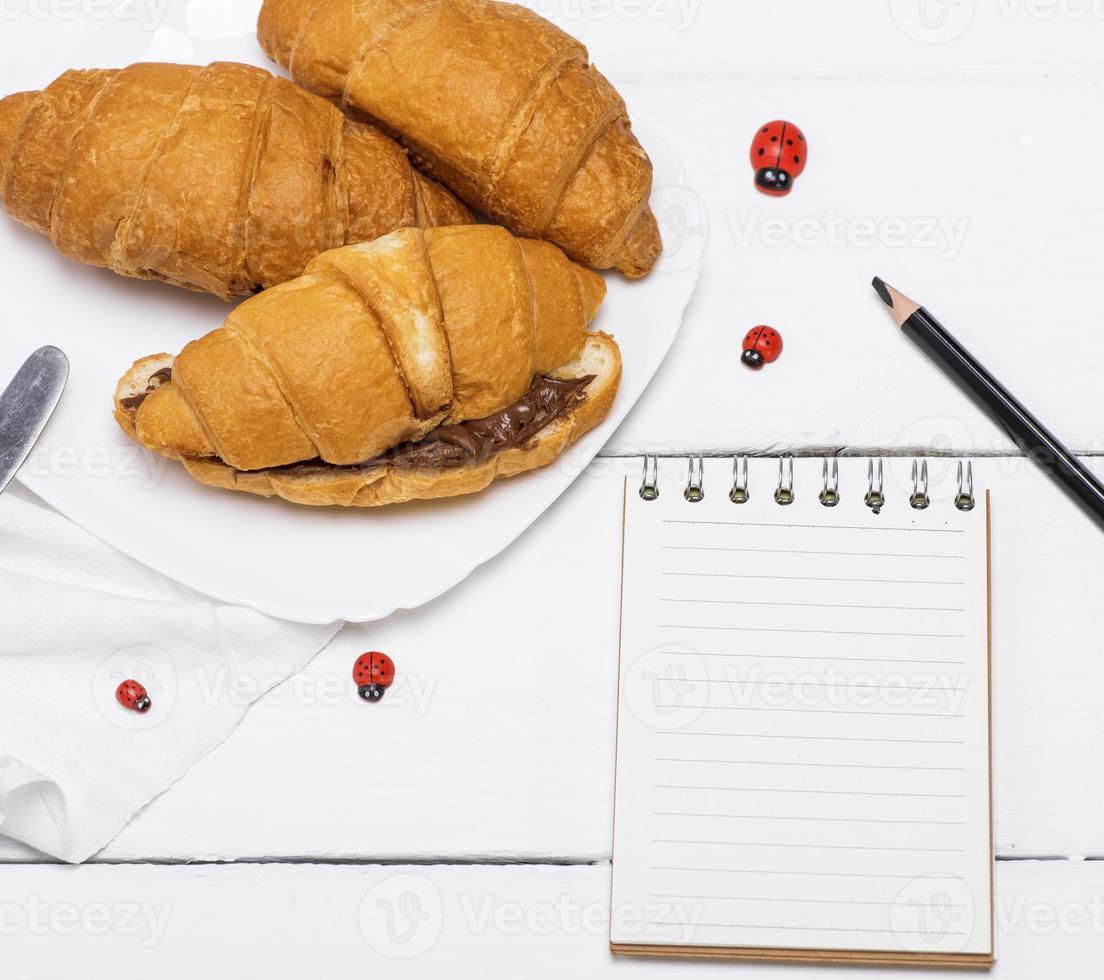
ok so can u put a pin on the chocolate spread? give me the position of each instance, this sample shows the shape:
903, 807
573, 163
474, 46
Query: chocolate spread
156, 380
472, 442
453, 446
465, 443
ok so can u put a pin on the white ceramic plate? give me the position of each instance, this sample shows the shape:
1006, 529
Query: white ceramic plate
294, 562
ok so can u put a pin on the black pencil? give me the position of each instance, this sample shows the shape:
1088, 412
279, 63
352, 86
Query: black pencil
1036, 441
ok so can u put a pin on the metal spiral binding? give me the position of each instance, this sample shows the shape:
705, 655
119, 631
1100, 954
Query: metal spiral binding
649, 488
739, 494
919, 499
829, 496
875, 494
695, 485
784, 495
965, 500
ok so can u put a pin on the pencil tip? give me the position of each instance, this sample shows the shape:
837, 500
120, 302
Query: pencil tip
900, 306
883, 291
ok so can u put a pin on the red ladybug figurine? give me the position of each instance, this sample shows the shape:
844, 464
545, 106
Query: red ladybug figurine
778, 154
131, 694
373, 673
761, 346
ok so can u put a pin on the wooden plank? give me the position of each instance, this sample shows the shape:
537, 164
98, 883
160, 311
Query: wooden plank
497, 740
500, 742
294, 921
932, 164
945, 189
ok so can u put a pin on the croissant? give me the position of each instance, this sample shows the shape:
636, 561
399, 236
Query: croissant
492, 100
222, 179
425, 364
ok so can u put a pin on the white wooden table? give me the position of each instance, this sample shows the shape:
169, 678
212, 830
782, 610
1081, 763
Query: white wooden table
462, 826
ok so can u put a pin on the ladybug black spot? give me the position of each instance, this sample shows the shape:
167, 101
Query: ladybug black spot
761, 151
765, 128
802, 138
789, 142
797, 159
774, 139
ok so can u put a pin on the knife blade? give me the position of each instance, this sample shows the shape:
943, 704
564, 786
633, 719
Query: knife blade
26, 406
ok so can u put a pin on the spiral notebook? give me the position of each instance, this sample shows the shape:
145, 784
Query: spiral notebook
803, 748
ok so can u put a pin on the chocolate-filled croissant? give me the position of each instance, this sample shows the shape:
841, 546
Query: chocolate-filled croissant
224, 179
494, 101
425, 364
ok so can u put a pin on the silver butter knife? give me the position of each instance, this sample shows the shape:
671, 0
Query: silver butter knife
26, 406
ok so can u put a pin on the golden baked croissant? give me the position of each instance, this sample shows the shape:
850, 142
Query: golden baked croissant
425, 364
223, 179
492, 100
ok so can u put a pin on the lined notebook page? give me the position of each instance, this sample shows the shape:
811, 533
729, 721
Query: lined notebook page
803, 726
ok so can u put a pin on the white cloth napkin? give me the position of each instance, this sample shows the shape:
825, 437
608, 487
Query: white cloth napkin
76, 618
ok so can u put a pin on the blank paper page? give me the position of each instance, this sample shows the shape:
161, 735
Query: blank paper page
803, 724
